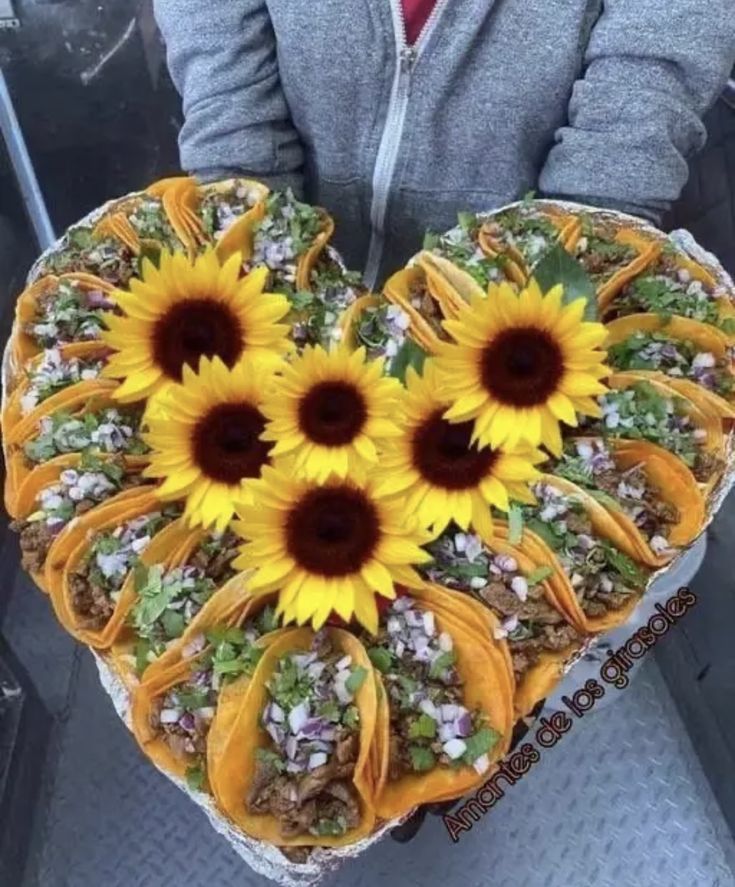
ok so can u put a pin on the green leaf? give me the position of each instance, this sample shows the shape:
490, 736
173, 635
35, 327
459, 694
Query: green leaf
409, 354
424, 727
545, 533
422, 759
558, 266
142, 652
515, 525
628, 569
356, 679
270, 757
329, 710
467, 221
195, 777
442, 663
351, 717
431, 240
538, 575
381, 658
224, 635
605, 499
480, 743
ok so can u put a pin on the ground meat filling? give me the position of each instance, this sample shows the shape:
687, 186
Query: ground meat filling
77, 491
96, 584
600, 254
304, 778
214, 557
428, 308
591, 465
429, 724
602, 577
528, 622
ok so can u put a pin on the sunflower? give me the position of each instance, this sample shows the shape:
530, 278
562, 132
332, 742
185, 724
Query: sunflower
205, 434
184, 310
440, 473
521, 364
327, 548
330, 412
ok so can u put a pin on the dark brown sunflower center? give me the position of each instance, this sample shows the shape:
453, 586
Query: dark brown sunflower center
193, 329
444, 456
522, 367
332, 414
332, 531
227, 445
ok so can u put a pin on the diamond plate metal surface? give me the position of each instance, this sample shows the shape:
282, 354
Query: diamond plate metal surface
621, 800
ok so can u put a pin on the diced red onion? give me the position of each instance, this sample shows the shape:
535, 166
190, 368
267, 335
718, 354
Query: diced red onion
275, 713
318, 759
428, 708
463, 725
449, 712
298, 716
482, 764
446, 644
344, 662
454, 749
170, 715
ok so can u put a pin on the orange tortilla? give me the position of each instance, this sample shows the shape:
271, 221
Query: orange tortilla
231, 765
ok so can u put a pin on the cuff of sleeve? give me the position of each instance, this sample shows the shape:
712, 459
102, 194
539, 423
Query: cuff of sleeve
281, 182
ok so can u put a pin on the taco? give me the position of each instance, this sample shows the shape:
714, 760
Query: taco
508, 583
408, 290
49, 380
141, 222
524, 233
84, 424
380, 327
445, 707
173, 709
90, 572
611, 255
295, 768
649, 493
64, 489
674, 284
674, 346
212, 212
461, 260
317, 315
170, 600
639, 406
284, 235
56, 311
98, 251
447, 284
595, 581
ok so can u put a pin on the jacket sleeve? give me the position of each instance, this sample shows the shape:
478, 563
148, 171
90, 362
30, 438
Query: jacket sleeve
222, 59
653, 67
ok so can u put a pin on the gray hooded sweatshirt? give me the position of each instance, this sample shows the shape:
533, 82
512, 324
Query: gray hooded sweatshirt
596, 100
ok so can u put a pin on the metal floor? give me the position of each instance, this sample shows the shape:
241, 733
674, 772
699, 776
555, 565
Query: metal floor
621, 800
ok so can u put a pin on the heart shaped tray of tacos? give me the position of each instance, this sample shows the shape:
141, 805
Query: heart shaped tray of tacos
505, 447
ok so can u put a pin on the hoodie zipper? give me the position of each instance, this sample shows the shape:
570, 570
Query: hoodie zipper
390, 141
